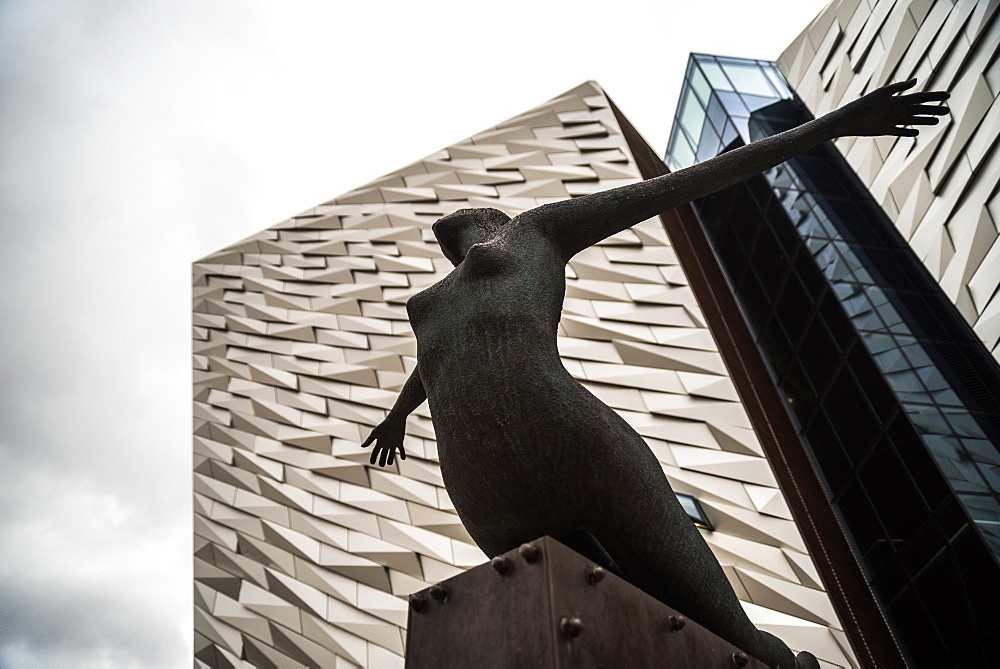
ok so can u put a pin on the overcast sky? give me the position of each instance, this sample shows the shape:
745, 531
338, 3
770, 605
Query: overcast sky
139, 135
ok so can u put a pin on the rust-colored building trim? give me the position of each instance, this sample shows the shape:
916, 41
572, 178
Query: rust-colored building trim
849, 591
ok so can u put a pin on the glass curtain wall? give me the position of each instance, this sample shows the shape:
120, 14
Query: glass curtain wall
895, 399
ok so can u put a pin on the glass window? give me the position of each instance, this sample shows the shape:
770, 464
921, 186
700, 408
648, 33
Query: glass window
734, 105
922, 548
819, 352
795, 307
778, 82
680, 151
730, 135
775, 342
836, 320
957, 468
936, 586
990, 474
693, 510
982, 450
769, 260
928, 420
918, 461
857, 511
715, 76
910, 620
946, 396
717, 115
963, 424
932, 378
799, 393
742, 126
692, 115
700, 85
980, 567
896, 499
888, 575
755, 299
826, 448
847, 406
750, 79
985, 513
877, 392
755, 103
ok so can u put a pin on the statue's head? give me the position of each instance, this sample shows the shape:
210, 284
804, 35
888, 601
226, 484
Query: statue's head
457, 232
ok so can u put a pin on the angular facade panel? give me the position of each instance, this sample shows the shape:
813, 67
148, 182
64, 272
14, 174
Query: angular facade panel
940, 189
303, 552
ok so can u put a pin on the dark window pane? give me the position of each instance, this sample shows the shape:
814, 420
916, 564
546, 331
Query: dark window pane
856, 423
836, 468
795, 308
755, 299
979, 573
936, 587
799, 393
820, 354
857, 511
776, 346
917, 461
910, 621
896, 498
836, 320
888, 577
876, 390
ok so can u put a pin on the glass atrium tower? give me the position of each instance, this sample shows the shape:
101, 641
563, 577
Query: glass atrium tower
894, 398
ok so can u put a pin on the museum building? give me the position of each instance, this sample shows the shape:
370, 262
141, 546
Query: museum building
811, 355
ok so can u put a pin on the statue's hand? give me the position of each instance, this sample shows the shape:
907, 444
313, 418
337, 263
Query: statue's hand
388, 436
886, 112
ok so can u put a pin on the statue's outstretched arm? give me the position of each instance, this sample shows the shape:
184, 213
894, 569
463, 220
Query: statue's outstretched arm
575, 224
389, 433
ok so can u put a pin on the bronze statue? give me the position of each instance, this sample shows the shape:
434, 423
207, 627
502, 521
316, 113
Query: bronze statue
527, 451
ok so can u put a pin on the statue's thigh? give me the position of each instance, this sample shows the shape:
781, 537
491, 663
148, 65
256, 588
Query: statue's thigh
654, 542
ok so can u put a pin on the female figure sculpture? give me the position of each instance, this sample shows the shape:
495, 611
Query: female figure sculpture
526, 450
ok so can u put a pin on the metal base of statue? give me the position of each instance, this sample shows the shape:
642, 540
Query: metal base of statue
543, 605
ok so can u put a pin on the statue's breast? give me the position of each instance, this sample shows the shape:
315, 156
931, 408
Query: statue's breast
480, 271
420, 305
487, 258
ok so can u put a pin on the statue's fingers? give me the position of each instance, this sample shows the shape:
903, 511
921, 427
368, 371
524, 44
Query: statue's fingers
922, 120
392, 456
928, 96
374, 455
385, 454
936, 110
901, 86
402, 452
904, 132
369, 440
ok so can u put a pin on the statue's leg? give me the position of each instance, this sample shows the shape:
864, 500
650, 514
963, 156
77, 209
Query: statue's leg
654, 542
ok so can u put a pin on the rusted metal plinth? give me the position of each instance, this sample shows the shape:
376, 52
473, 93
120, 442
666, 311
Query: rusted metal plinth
544, 605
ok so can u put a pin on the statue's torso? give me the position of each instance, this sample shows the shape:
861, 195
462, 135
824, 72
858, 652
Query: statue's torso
495, 315
513, 427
